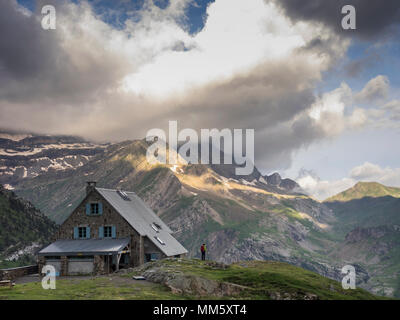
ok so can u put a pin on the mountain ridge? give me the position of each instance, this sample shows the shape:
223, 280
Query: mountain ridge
365, 189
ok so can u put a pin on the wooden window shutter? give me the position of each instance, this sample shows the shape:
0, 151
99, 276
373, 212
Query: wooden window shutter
100, 208
101, 232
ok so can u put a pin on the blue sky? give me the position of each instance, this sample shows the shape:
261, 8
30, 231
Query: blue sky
116, 12
377, 145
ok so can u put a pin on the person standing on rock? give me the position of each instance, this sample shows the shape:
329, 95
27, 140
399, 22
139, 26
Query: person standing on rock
203, 250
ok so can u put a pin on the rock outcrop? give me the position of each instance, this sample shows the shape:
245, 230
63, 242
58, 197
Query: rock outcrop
182, 283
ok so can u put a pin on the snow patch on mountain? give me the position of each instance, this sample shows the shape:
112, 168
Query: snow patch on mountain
14, 137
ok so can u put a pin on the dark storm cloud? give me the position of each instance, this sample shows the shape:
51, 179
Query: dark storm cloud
375, 18
35, 65
25, 50
266, 95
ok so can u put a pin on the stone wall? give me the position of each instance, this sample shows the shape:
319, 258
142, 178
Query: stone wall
13, 273
150, 247
64, 266
99, 265
109, 217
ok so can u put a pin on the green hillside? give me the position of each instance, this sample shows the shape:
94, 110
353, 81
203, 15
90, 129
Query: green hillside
21, 225
365, 189
368, 222
366, 212
194, 279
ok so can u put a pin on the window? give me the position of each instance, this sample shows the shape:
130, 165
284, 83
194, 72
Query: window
53, 257
82, 232
80, 258
107, 232
94, 208
151, 257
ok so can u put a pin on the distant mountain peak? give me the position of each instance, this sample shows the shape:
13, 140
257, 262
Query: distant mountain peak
276, 180
364, 189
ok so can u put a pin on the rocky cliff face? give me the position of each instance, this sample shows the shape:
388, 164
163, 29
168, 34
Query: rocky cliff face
376, 249
361, 234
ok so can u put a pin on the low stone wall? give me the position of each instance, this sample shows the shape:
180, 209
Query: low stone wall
13, 273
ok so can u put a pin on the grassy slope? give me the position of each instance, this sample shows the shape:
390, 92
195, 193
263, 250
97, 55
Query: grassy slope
100, 288
365, 189
264, 277
261, 278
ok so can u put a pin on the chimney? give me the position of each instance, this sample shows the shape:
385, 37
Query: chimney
90, 185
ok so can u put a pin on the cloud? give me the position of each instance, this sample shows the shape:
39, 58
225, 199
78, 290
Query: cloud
377, 89
105, 83
372, 172
375, 19
385, 116
367, 172
337, 111
54, 67
323, 189
329, 109
393, 109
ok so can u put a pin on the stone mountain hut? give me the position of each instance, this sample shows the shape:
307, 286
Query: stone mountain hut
109, 230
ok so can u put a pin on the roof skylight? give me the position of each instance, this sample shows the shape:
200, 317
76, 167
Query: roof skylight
123, 195
159, 240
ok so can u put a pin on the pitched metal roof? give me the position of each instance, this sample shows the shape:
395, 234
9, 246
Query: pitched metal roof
141, 218
90, 246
